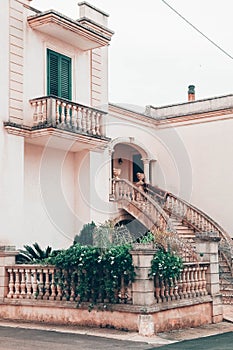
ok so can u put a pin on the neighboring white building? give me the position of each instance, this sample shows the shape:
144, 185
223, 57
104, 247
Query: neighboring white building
60, 138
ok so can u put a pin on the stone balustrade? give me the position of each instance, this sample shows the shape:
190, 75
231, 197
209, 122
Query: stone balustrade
191, 284
67, 115
124, 190
49, 283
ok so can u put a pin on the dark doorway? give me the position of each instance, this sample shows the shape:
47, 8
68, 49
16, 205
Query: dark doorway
138, 166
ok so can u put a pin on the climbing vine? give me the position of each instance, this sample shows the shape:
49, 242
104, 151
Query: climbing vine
89, 273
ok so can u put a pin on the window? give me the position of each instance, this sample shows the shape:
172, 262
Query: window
58, 75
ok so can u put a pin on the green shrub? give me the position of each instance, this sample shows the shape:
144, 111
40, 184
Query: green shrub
86, 234
166, 266
93, 273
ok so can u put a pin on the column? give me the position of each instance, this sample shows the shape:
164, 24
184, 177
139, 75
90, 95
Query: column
7, 257
142, 287
146, 164
207, 247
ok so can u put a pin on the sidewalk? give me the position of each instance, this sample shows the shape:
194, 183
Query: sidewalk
156, 340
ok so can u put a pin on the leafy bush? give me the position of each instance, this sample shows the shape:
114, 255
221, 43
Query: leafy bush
92, 273
33, 254
86, 234
107, 235
166, 265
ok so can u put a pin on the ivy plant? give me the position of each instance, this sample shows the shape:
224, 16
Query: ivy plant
166, 266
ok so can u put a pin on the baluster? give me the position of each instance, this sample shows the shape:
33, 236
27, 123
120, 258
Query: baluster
28, 283
44, 111
188, 214
192, 270
47, 284
176, 289
11, 283
200, 281
196, 282
162, 291
133, 195
17, 284
68, 113
39, 112
121, 293
23, 283
188, 282
74, 123
40, 284
63, 107
72, 288
93, 124
59, 285
157, 289
204, 280
166, 291
128, 194
97, 123
35, 113
128, 294
58, 105
53, 287
171, 289
84, 119
185, 285
88, 121
34, 283
79, 118
120, 190
180, 286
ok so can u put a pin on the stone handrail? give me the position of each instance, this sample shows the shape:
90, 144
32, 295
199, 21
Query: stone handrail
194, 217
57, 112
192, 283
124, 190
49, 283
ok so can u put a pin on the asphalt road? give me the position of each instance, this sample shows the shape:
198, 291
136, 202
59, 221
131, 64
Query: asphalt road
215, 342
28, 339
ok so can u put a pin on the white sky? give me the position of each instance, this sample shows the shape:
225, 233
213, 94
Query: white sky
154, 55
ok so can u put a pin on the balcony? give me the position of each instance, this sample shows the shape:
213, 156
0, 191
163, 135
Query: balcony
65, 123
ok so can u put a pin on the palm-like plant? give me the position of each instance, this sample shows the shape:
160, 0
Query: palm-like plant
33, 254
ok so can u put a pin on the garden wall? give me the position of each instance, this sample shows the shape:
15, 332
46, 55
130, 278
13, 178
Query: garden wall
128, 317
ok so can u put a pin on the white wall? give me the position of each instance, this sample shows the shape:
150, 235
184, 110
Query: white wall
193, 161
49, 197
210, 147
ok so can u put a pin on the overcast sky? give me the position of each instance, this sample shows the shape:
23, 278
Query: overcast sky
154, 55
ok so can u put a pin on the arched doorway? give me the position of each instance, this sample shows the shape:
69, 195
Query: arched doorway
129, 160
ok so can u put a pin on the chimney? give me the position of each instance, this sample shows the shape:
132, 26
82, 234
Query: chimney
191, 93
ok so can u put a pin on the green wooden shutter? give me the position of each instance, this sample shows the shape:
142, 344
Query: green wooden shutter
65, 77
58, 75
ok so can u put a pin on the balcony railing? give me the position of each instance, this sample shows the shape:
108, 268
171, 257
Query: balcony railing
52, 111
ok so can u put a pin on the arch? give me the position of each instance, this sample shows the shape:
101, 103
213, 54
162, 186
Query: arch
142, 160
132, 141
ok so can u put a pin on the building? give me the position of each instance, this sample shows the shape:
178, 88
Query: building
60, 138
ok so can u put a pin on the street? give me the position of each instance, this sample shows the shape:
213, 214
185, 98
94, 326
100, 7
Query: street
28, 339
215, 342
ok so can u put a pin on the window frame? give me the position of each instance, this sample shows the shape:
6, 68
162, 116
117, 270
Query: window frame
59, 73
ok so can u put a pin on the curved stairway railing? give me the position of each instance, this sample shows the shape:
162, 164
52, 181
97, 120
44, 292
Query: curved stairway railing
187, 213
193, 216
141, 205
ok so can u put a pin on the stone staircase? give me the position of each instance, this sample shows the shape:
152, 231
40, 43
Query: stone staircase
160, 209
183, 231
